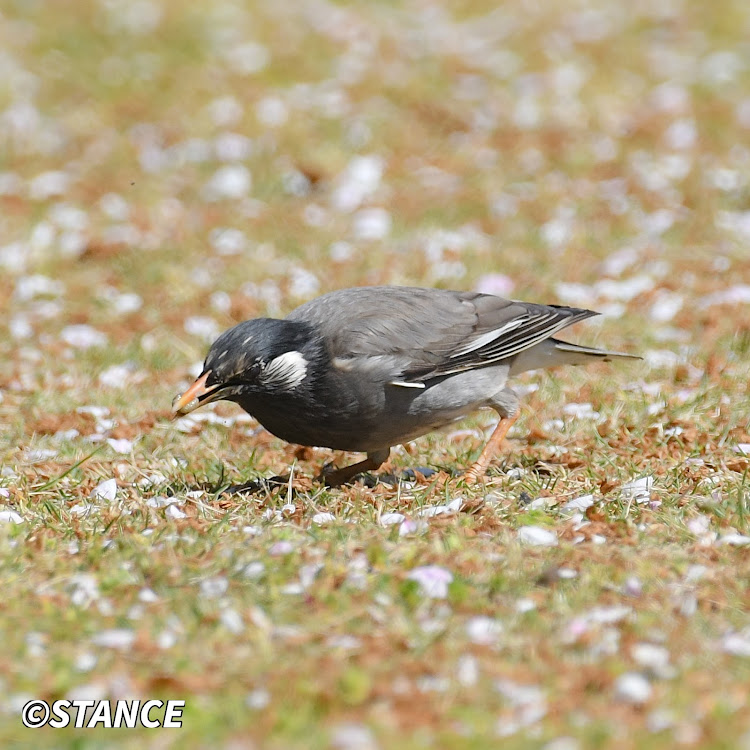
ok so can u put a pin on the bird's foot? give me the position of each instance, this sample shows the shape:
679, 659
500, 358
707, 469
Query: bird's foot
333, 477
336, 477
474, 474
478, 469
359, 472
417, 474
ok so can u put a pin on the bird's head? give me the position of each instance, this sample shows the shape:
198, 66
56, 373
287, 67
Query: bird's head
258, 356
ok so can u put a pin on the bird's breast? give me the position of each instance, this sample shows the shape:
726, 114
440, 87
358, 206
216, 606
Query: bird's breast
361, 414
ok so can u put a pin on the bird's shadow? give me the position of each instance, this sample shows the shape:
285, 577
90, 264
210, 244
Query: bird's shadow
271, 485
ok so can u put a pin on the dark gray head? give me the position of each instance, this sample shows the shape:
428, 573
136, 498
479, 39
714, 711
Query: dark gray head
264, 355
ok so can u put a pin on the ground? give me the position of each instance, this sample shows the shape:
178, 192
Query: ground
170, 168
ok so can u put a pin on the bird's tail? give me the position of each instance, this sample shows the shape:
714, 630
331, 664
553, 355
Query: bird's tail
553, 352
575, 354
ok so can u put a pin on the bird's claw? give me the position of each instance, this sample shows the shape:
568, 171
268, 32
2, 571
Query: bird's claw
412, 475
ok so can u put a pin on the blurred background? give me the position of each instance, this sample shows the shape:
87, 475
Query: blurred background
169, 168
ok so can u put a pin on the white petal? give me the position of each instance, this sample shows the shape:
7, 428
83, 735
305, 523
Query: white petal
119, 638
537, 536
10, 516
105, 491
633, 687
638, 490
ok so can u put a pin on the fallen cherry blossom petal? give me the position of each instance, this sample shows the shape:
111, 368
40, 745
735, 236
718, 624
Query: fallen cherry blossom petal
353, 737
254, 570
432, 579
736, 540
10, 516
48, 184
528, 704
608, 615
282, 547
120, 445
308, 573
39, 455
580, 411
117, 638
258, 699
483, 630
454, 506
495, 283
229, 182
116, 376
637, 490
579, 503
83, 336
83, 509
537, 536
160, 501
174, 512
203, 327
213, 588
358, 181
467, 670
371, 224
698, 525
98, 412
651, 656
633, 687
409, 526
105, 491
737, 644
232, 621
632, 587
562, 743
148, 596
344, 642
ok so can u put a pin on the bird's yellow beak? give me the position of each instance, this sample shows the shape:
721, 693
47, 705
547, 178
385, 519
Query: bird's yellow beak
195, 396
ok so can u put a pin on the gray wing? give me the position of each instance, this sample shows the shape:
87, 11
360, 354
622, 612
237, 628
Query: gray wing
428, 333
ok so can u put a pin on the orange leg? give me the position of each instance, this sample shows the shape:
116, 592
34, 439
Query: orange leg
479, 467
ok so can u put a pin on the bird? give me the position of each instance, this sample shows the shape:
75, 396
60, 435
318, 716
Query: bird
368, 368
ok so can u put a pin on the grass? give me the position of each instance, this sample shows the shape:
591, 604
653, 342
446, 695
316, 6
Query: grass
579, 154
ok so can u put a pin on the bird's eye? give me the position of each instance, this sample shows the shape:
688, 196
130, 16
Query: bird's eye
213, 378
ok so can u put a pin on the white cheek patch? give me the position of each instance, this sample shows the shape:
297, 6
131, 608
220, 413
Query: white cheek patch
285, 372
